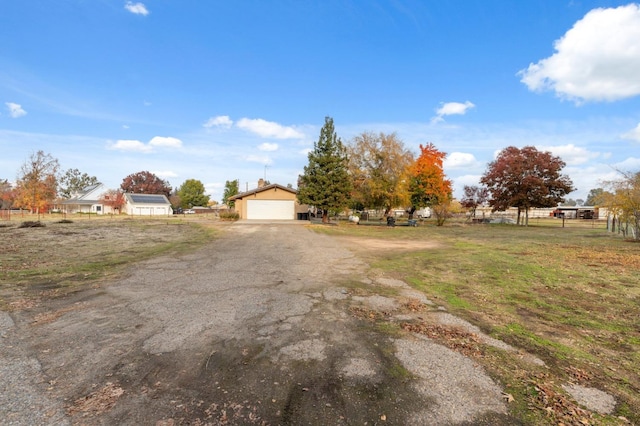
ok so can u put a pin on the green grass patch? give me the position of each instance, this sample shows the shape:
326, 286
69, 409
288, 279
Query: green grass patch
569, 295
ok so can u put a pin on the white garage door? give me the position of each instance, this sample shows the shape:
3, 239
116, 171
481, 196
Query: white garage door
270, 209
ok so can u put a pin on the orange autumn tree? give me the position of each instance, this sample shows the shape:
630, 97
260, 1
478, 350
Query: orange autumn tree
37, 184
428, 185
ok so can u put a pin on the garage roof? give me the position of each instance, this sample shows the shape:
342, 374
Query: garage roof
148, 198
264, 188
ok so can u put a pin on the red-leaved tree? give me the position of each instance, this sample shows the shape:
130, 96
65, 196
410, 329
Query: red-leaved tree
145, 183
526, 178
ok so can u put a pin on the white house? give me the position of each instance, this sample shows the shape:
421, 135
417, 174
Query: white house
86, 201
147, 205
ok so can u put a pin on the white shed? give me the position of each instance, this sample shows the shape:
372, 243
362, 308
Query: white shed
147, 205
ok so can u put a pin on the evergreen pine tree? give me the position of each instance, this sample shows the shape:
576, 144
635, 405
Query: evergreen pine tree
326, 183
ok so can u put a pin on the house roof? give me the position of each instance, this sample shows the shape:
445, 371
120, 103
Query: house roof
88, 189
147, 198
82, 196
262, 189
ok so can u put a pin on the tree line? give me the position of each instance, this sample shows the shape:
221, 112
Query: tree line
40, 184
373, 171
376, 171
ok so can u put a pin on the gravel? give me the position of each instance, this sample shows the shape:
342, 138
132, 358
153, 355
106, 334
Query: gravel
23, 400
460, 388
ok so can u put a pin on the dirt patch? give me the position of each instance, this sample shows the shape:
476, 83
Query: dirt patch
62, 256
378, 244
252, 328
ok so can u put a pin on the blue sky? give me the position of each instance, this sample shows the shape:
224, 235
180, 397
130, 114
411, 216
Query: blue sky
223, 90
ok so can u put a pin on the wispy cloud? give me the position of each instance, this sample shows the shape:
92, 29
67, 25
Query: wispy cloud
269, 129
268, 147
262, 159
136, 8
222, 121
596, 60
629, 164
165, 174
15, 110
133, 145
451, 108
633, 134
571, 154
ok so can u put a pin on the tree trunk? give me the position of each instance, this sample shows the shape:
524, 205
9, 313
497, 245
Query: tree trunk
325, 216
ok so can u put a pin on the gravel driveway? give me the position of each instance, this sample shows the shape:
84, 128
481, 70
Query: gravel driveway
254, 328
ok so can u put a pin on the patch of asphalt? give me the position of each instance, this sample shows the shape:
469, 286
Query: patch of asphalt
458, 387
379, 303
23, 400
591, 398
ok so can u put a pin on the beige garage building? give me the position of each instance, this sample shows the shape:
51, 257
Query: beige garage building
269, 202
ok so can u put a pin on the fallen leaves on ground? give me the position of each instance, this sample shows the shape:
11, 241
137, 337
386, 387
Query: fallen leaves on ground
414, 305
370, 314
97, 402
557, 405
457, 339
579, 375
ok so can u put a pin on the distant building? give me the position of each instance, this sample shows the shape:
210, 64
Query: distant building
269, 202
147, 205
86, 201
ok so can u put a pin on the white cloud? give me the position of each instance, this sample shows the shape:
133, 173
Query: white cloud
130, 145
457, 160
268, 147
633, 134
167, 142
631, 164
460, 181
137, 146
136, 8
165, 174
596, 60
571, 154
269, 129
262, 159
451, 108
15, 110
220, 121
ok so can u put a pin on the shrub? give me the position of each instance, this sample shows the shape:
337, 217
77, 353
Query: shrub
229, 216
31, 224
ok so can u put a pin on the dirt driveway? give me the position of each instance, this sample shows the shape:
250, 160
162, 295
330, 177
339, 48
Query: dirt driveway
257, 327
